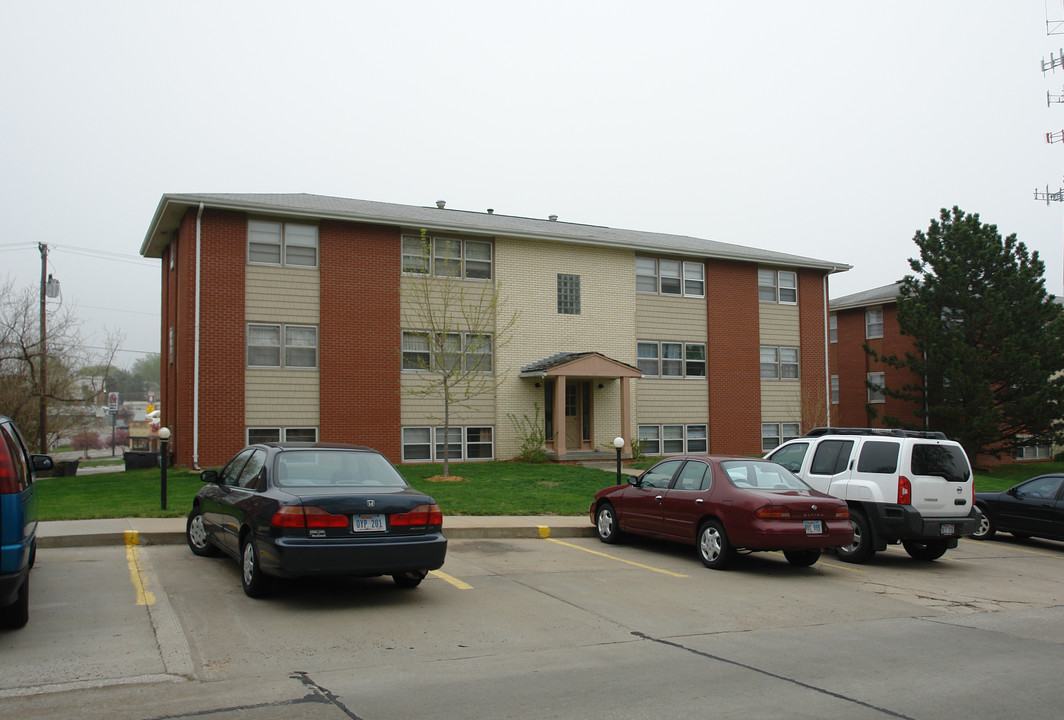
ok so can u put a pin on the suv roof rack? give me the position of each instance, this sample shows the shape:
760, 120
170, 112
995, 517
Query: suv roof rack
892, 432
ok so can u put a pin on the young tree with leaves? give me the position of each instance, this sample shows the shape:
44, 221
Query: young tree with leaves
988, 339
452, 331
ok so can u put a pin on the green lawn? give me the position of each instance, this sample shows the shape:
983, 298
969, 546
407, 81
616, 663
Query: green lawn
494, 488
491, 488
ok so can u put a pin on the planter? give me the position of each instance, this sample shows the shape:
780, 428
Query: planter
140, 459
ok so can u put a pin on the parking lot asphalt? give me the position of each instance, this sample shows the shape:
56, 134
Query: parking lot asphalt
171, 531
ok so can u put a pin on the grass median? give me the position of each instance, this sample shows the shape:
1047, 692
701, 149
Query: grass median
489, 488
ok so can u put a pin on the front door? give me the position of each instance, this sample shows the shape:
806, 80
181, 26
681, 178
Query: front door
577, 414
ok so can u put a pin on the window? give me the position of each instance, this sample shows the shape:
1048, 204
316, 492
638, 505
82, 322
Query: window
671, 359
833, 328
878, 456
791, 456
834, 389
873, 323
875, 388
777, 286
447, 257
274, 434
670, 277
426, 444
269, 242
1032, 449
453, 352
568, 294
779, 363
170, 344
773, 434
831, 457
661, 474
693, 475
300, 346
673, 439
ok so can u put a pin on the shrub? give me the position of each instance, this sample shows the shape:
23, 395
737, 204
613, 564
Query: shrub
86, 441
533, 437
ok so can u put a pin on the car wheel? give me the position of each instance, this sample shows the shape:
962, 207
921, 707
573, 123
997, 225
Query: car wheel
862, 549
714, 549
196, 535
802, 558
17, 614
925, 550
409, 579
256, 583
606, 524
985, 529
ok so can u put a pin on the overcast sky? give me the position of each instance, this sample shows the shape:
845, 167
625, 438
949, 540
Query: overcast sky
833, 130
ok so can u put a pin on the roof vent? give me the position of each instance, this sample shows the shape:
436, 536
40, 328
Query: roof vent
491, 211
441, 204
552, 218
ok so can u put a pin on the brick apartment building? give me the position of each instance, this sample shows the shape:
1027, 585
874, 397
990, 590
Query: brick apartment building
286, 317
871, 317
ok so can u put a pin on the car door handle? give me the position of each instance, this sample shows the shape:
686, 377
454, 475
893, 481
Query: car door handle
699, 501
658, 498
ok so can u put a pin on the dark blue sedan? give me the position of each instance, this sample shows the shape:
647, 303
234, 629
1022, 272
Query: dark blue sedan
294, 509
1034, 508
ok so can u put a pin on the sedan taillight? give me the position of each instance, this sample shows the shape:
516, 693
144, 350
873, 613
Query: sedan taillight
297, 516
421, 515
842, 513
773, 512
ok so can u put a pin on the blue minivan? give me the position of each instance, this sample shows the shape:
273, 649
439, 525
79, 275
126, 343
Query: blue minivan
18, 523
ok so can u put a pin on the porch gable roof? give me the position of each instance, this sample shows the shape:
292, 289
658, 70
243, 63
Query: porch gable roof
582, 364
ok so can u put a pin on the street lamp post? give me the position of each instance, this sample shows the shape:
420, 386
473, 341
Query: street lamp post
164, 437
618, 442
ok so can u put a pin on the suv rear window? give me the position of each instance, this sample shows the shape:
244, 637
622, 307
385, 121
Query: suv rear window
945, 461
879, 457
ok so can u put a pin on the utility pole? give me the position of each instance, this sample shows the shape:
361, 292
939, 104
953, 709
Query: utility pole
43, 424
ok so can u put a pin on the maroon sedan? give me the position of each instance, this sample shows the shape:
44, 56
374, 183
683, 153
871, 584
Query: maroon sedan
724, 504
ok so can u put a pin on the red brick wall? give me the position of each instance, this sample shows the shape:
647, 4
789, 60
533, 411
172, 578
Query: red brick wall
733, 358
360, 336
222, 343
812, 329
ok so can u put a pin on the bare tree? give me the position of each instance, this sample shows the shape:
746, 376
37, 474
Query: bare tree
451, 332
68, 391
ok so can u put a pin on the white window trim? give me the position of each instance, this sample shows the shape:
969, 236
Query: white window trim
869, 324
282, 433
463, 257
779, 363
776, 285
777, 432
434, 440
282, 346
876, 397
283, 244
464, 352
683, 359
686, 450
833, 328
685, 265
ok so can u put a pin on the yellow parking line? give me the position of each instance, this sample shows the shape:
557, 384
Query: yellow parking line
611, 557
452, 580
1014, 547
841, 567
144, 596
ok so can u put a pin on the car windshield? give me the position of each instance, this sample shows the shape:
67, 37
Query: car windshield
761, 475
324, 467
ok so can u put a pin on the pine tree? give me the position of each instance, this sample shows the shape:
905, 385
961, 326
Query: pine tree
988, 338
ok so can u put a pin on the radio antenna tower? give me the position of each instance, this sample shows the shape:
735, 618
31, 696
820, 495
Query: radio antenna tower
1054, 26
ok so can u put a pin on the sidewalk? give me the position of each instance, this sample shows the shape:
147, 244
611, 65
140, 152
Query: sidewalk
170, 531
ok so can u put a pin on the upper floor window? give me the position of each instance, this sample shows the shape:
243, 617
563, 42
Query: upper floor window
671, 359
875, 382
269, 242
568, 294
670, 277
834, 389
451, 352
779, 363
777, 286
774, 434
874, 323
279, 345
447, 257
833, 327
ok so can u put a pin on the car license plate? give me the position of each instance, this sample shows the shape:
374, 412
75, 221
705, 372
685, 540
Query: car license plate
367, 523
813, 527
949, 529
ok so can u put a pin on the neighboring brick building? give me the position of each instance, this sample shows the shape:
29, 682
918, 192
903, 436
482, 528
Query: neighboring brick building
871, 317
287, 317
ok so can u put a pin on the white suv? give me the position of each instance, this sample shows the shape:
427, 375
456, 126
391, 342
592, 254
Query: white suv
915, 488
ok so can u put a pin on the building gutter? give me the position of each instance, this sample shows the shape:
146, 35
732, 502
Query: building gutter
196, 344
827, 349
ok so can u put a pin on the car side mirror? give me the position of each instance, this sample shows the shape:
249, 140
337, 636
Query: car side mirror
1012, 491
42, 462
635, 481
209, 476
